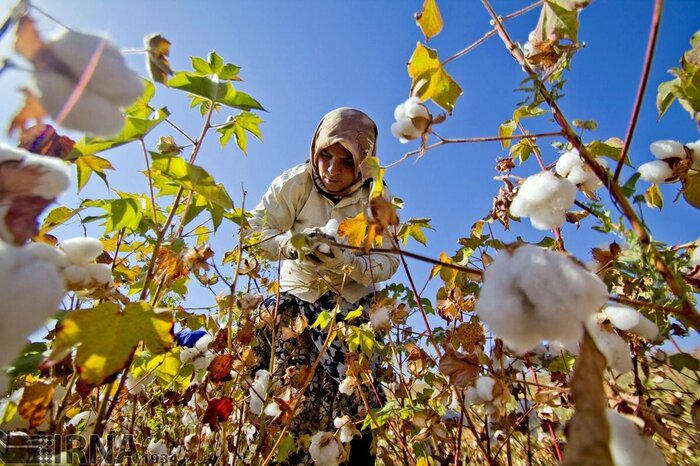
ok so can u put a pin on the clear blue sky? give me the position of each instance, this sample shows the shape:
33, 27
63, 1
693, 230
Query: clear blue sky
301, 59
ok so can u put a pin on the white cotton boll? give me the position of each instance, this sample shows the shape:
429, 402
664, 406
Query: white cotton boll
484, 387
577, 175
100, 273
55, 175
347, 386
187, 355
695, 151
86, 419
667, 148
613, 347
628, 447
258, 391
471, 397
331, 227
546, 197
157, 448
414, 108
325, 450
656, 171
76, 275
48, 253
400, 112
203, 343
695, 257
31, 291
344, 423
203, 360
404, 131
533, 295
567, 162
92, 113
272, 409
189, 418
628, 319
82, 250
592, 182
381, 318
111, 78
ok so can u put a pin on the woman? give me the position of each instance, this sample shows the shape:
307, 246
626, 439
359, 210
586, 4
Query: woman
301, 201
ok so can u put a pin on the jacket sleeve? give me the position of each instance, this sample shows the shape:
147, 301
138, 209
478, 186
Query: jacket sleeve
276, 213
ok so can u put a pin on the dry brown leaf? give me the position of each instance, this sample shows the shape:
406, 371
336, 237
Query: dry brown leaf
158, 48
44, 140
471, 336
220, 368
36, 401
462, 369
417, 360
32, 110
28, 41
588, 430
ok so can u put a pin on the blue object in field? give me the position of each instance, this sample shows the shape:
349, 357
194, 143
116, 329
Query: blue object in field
188, 338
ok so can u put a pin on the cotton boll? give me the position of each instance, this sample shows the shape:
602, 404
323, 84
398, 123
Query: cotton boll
381, 318
203, 360
415, 109
695, 151
695, 257
157, 448
31, 291
82, 250
547, 220
48, 253
345, 433
99, 273
471, 397
567, 162
29, 174
628, 447
404, 131
613, 347
628, 319
347, 386
92, 113
111, 77
656, 171
85, 419
484, 387
272, 409
545, 197
258, 391
55, 175
331, 228
204, 342
577, 175
76, 275
667, 148
325, 449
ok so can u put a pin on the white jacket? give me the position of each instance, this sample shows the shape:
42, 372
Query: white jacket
291, 204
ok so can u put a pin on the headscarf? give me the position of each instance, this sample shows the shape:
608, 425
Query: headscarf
355, 131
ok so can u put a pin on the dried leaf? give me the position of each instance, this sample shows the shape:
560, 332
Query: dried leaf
691, 190
28, 41
695, 414
43, 139
36, 401
354, 229
471, 336
21, 217
32, 110
220, 368
218, 410
588, 430
158, 49
417, 360
462, 369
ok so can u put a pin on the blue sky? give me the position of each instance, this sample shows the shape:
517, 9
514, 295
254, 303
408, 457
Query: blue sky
302, 59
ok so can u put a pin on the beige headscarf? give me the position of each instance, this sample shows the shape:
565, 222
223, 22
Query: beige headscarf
355, 131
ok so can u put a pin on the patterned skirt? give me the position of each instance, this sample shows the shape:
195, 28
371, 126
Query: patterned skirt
322, 401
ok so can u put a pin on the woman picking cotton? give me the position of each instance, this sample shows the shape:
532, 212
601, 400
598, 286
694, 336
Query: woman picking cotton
307, 202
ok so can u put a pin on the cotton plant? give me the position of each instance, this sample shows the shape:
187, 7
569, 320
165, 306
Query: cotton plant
83, 82
412, 120
347, 385
530, 294
346, 429
258, 391
672, 159
544, 198
326, 449
199, 354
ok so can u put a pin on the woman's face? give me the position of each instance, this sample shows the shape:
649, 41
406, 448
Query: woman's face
336, 168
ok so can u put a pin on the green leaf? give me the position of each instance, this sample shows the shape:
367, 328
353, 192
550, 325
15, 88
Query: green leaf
505, 131
142, 107
430, 80
211, 88
610, 148
286, 446
323, 319
237, 99
379, 416
414, 229
666, 95
527, 111
237, 126
362, 338
589, 125
354, 314
429, 19
87, 164
522, 150
193, 178
558, 18
653, 197
122, 213
56, 217
106, 337
166, 367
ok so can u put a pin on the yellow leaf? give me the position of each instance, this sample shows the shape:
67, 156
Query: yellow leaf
653, 197
429, 19
158, 48
444, 258
106, 337
430, 80
354, 229
36, 401
691, 190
